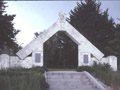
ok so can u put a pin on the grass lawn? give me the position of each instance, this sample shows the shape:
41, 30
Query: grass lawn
23, 79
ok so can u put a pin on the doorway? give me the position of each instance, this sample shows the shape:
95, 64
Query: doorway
60, 52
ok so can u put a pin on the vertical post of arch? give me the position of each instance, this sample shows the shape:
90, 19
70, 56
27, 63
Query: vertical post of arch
79, 56
38, 54
42, 54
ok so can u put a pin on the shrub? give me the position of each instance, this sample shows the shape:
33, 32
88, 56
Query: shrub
104, 73
38, 69
23, 79
85, 68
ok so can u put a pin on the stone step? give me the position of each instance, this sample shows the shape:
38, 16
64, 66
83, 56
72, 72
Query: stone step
62, 73
76, 74
65, 83
72, 79
64, 76
69, 80
72, 87
75, 89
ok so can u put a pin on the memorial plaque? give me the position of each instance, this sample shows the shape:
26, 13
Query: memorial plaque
37, 57
85, 58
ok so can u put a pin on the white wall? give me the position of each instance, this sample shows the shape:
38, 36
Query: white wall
7, 61
113, 62
26, 63
4, 61
110, 60
38, 50
14, 61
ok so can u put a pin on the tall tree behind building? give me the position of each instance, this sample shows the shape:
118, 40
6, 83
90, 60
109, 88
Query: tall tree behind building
7, 31
90, 21
113, 45
94, 24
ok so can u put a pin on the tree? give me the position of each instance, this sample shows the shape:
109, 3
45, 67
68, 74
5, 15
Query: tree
113, 45
7, 31
94, 24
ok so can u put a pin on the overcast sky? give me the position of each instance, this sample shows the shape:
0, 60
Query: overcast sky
36, 16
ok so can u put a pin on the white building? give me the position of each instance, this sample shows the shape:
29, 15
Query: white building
87, 52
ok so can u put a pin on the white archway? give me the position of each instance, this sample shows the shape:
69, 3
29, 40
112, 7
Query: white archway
85, 48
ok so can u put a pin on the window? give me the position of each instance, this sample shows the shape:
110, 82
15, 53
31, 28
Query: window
85, 58
37, 57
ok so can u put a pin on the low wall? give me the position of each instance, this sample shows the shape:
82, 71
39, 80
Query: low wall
4, 61
14, 61
27, 62
7, 61
110, 60
113, 62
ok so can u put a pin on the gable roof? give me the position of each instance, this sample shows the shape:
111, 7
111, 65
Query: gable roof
61, 25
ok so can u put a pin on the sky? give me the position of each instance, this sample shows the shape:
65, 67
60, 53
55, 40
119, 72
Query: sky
36, 16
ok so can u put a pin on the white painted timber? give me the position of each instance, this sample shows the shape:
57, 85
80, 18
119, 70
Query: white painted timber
84, 45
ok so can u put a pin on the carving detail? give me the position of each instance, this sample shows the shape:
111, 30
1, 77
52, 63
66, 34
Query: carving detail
62, 17
62, 20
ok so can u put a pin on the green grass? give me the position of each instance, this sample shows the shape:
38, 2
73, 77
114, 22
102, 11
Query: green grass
104, 73
23, 79
33, 79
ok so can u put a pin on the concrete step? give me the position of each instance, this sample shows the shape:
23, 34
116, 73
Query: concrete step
65, 83
64, 76
66, 86
58, 73
73, 88
69, 80
65, 79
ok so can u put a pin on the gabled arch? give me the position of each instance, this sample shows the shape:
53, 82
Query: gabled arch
61, 25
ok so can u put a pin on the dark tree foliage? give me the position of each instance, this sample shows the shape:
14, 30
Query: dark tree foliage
97, 27
94, 24
7, 31
113, 45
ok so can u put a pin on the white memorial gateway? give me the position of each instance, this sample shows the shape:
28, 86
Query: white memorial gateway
87, 52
